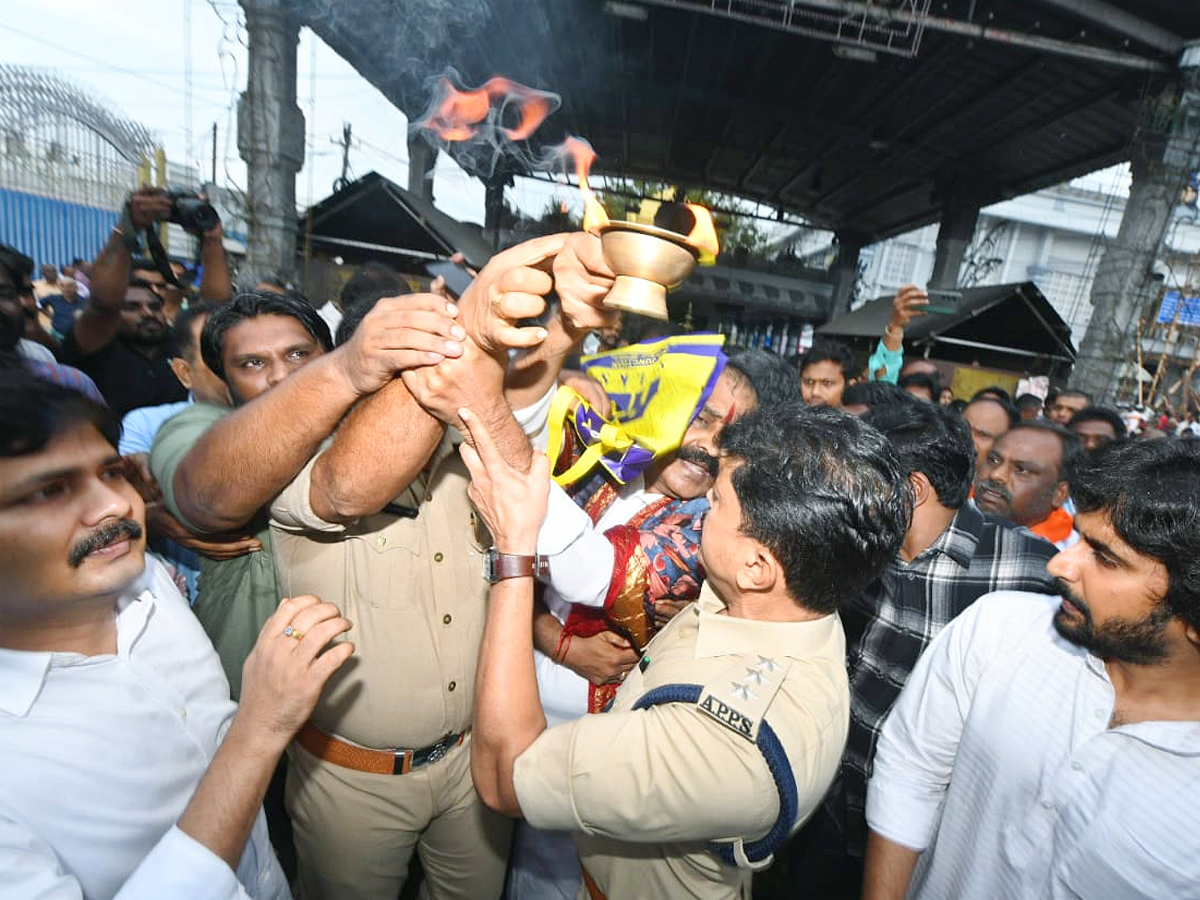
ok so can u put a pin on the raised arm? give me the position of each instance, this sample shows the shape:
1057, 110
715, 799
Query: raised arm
244, 460
98, 321
377, 452
389, 436
885, 363
582, 279
508, 710
216, 282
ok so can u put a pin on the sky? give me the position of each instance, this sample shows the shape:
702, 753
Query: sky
133, 57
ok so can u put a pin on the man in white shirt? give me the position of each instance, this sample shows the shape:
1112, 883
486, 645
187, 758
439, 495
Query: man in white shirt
1043, 752
124, 771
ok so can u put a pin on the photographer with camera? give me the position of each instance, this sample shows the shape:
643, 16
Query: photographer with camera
119, 338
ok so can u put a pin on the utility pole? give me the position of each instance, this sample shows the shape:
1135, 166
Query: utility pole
1166, 149
344, 143
270, 138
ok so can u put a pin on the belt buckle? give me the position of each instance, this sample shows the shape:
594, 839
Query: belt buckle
435, 753
402, 762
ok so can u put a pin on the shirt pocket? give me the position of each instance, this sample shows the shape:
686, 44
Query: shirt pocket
387, 568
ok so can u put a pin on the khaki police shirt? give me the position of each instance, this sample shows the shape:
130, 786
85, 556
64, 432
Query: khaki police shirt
646, 790
414, 591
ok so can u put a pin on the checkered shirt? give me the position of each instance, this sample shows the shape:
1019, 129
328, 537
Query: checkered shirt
891, 623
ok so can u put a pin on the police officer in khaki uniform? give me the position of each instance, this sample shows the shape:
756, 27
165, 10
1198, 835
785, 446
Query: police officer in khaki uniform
380, 520
728, 733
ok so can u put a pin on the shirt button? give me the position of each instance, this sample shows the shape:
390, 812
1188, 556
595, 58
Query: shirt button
447, 619
1099, 714
428, 498
438, 557
452, 685
1046, 804
1077, 767
183, 713
381, 540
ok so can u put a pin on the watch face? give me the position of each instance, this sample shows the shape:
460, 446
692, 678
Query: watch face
489, 566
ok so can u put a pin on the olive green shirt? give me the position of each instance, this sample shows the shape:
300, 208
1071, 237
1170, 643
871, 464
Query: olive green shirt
234, 597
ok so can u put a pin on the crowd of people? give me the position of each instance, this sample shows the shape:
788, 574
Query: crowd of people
293, 594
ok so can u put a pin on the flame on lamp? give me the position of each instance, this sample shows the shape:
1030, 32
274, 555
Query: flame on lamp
594, 216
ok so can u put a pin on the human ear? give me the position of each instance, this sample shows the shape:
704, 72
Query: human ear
182, 371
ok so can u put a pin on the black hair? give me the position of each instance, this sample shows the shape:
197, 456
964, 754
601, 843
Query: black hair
20, 266
251, 305
1151, 493
1072, 450
1029, 401
918, 379
144, 284
934, 441
372, 280
1100, 414
366, 287
1074, 392
142, 264
180, 343
993, 391
772, 379
875, 393
824, 493
827, 350
1009, 410
958, 405
33, 411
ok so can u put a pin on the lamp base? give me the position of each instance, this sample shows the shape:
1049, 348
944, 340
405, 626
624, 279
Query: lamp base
638, 295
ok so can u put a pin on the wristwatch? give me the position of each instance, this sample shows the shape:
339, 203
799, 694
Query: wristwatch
501, 566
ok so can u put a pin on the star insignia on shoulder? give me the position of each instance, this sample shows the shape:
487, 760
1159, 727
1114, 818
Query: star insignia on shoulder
766, 664
755, 674
742, 690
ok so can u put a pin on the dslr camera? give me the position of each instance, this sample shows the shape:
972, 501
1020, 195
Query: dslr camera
189, 211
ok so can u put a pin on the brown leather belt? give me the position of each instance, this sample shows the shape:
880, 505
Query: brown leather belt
378, 762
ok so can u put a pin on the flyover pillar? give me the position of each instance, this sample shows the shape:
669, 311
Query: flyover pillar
845, 271
270, 139
1165, 151
957, 228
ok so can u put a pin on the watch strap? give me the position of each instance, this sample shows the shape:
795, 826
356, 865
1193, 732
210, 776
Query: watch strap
502, 566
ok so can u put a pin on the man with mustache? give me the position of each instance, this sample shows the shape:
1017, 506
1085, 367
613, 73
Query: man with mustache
125, 769
632, 546
1024, 479
1045, 750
